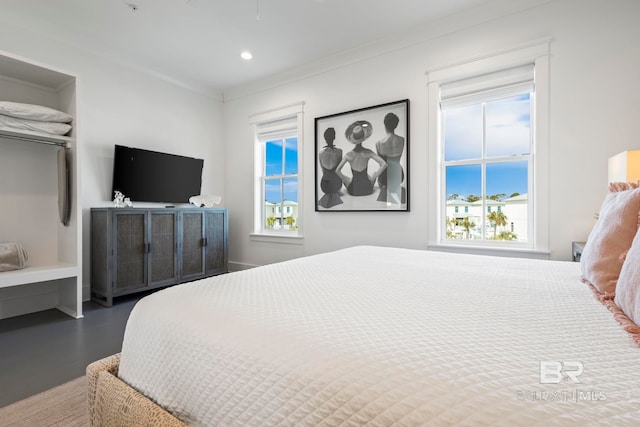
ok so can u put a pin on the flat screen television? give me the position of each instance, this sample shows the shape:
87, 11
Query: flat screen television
152, 176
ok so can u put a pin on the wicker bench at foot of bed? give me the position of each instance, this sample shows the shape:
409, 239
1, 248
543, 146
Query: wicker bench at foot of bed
112, 402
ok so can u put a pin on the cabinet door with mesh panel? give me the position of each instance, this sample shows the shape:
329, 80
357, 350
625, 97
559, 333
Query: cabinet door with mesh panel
192, 251
163, 260
215, 242
130, 251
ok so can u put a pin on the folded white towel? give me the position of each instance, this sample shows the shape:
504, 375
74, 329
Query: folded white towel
205, 200
48, 128
12, 256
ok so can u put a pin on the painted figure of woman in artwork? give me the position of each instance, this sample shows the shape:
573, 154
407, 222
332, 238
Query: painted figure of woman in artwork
360, 183
330, 183
390, 148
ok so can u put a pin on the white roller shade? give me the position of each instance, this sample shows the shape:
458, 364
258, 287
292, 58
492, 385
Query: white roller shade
277, 129
487, 87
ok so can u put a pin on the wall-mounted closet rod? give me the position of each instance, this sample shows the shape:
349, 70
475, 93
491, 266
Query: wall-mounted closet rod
39, 141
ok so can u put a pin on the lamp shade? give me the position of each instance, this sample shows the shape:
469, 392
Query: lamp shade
625, 167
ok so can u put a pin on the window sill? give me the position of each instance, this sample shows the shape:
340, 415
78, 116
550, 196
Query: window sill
277, 238
495, 251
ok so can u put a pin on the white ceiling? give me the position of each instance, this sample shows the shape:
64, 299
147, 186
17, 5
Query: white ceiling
198, 42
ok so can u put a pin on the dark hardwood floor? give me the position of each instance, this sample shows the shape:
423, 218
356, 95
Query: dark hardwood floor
41, 350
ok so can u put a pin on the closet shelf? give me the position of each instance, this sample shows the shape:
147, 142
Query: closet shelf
61, 141
41, 273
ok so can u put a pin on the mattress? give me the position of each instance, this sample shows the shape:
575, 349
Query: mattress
385, 336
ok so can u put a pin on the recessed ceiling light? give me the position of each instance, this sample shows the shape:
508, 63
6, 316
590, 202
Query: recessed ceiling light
246, 55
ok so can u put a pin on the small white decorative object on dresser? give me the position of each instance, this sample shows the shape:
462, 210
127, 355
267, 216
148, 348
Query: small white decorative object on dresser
41, 207
205, 200
118, 199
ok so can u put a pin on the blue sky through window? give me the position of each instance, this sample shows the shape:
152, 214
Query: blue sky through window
281, 162
502, 178
508, 133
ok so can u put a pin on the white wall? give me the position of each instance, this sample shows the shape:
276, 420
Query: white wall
595, 56
120, 105
594, 63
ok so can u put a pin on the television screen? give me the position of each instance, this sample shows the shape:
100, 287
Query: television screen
151, 176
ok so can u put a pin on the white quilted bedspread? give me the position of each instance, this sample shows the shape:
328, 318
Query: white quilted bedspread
385, 337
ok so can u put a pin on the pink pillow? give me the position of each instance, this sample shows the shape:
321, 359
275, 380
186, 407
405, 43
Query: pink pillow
611, 237
628, 287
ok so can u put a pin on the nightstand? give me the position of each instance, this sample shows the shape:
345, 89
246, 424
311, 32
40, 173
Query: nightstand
576, 250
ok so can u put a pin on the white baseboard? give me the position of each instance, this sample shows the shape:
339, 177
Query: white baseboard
239, 266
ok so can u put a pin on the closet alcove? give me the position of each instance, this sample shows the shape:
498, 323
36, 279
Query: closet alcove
33, 177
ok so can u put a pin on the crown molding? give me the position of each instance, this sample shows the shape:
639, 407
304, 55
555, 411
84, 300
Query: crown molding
415, 36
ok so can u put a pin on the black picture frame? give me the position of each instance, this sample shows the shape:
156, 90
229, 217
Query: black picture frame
344, 142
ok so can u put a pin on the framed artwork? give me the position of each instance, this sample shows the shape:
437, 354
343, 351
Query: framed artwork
362, 159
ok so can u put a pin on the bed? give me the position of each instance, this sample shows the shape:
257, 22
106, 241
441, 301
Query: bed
377, 336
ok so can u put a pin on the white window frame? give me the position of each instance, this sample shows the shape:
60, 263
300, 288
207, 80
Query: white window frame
288, 113
506, 83
537, 245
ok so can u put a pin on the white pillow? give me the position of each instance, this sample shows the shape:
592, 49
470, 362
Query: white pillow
33, 112
49, 128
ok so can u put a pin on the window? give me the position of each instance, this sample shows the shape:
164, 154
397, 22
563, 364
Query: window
489, 119
278, 185
486, 141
